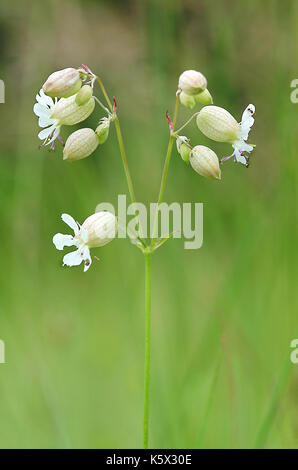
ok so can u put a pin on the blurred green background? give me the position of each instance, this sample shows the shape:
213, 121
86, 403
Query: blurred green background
223, 316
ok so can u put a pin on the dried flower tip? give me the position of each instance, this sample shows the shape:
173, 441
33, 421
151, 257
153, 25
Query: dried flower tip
205, 162
183, 148
187, 100
68, 113
192, 82
63, 83
204, 98
218, 124
102, 130
101, 227
80, 144
84, 95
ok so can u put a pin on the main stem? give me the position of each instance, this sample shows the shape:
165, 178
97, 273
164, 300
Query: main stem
148, 286
147, 348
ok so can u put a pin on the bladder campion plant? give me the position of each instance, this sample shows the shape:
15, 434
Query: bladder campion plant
68, 97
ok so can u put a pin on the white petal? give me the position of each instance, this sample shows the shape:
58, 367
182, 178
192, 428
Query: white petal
73, 259
46, 132
248, 112
60, 241
41, 110
39, 99
44, 99
241, 159
87, 258
246, 147
45, 121
247, 121
245, 128
67, 219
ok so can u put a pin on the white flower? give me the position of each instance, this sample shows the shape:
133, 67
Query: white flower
53, 114
44, 109
219, 125
97, 230
240, 146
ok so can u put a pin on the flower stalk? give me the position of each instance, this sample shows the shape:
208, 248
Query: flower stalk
147, 349
166, 166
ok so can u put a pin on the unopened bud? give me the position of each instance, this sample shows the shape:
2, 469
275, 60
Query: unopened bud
101, 227
204, 98
183, 148
205, 162
63, 83
80, 144
102, 130
192, 82
84, 95
218, 124
187, 100
68, 113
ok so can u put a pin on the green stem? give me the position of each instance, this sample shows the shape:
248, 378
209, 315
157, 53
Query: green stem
124, 161
187, 122
102, 106
120, 142
121, 147
147, 348
165, 168
99, 81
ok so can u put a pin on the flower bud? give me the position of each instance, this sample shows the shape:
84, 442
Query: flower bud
182, 148
204, 98
205, 162
80, 144
63, 83
192, 82
218, 124
84, 95
187, 100
101, 227
68, 113
102, 130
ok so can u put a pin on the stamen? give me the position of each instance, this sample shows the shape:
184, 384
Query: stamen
226, 158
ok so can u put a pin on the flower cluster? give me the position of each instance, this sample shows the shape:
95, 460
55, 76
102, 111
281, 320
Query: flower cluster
67, 98
214, 122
